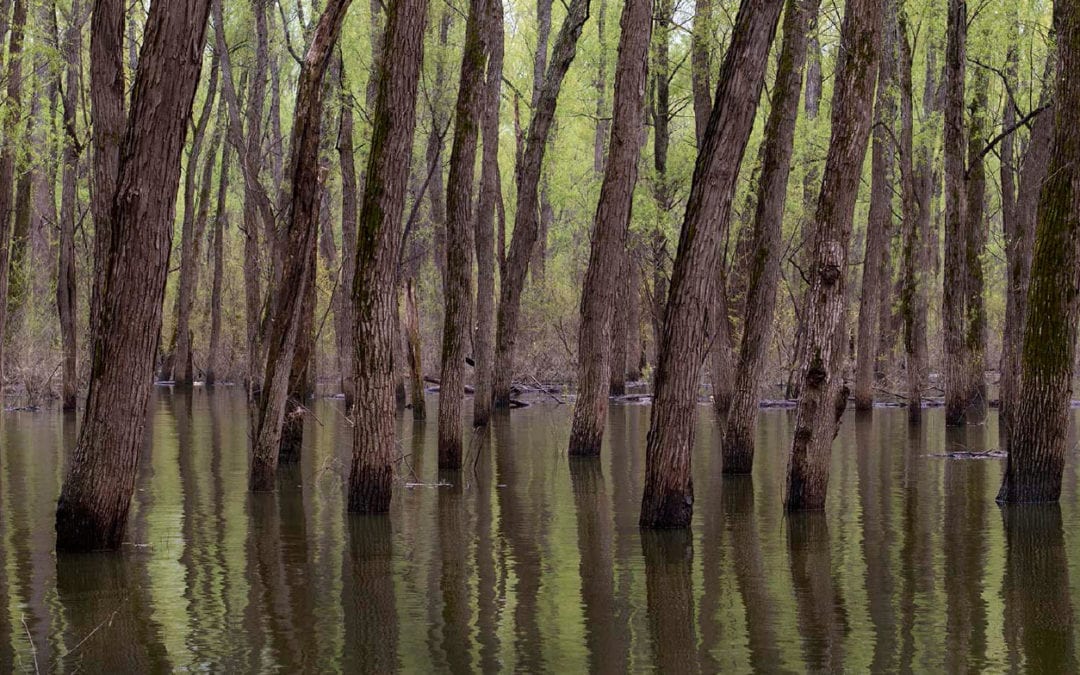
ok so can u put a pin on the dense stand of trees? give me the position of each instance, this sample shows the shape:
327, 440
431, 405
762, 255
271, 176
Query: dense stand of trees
319, 206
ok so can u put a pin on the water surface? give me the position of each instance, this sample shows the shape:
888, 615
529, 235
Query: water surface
531, 561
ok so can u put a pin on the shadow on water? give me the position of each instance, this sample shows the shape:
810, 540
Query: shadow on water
527, 560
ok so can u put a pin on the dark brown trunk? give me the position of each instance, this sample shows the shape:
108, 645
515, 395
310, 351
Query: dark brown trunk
669, 494
66, 289
1039, 434
412, 352
526, 223
221, 224
8, 150
660, 112
700, 64
379, 236
635, 345
289, 324
94, 502
342, 305
436, 95
603, 121
620, 327
764, 275
603, 275
458, 288
823, 393
974, 247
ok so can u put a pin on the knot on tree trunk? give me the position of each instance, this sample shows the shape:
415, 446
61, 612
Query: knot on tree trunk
830, 273
816, 374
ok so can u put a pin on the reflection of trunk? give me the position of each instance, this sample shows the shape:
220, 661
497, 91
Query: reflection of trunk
669, 495
379, 237
8, 152
823, 393
93, 507
820, 606
764, 269
66, 292
1037, 446
526, 225
371, 618
669, 591
607, 252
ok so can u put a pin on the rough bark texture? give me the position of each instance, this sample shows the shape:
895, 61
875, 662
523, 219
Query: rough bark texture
700, 63
738, 444
603, 121
94, 501
379, 236
526, 222
484, 339
1037, 443
66, 290
669, 494
604, 275
876, 276
342, 306
974, 247
823, 393
459, 245
221, 223
287, 321
8, 152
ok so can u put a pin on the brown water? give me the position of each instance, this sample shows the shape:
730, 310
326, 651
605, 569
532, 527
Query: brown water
529, 561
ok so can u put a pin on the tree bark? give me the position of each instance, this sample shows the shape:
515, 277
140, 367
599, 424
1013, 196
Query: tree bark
96, 495
602, 277
292, 299
342, 305
738, 443
974, 247
489, 197
669, 494
412, 353
660, 111
823, 393
458, 288
440, 121
603, 122
526, 224
8, 152
221, 224
66, 289
379, 236
700, 63
1037, 446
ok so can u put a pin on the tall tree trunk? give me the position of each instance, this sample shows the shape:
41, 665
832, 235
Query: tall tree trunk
738, 447
700, 64
412, 352
1037, 447
957, 381
342, 305
292, 299
379, 236
876, 274
458, 288
660, 111
66, 289
526, 224
602, 277
489, 197
440, 121
669, 494
221, 224
8, 150
603, 122
974, 247
823, 394
96, 495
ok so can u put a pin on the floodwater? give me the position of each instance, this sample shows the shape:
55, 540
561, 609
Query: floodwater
530, 561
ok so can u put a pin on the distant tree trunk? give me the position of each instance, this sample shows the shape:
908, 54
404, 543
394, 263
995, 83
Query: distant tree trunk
669, 494
412, 353
700, 64
221, 223
526, 224
66, 289
379, 236
603, 122
738, 445
288, 326
876, 273
1037, 447
342, 306
620, 327
635, 347
660, 111
543, 35
823, 393
96, 495
608, 250
440, 120
958, 394
489, 197
974, 247
458, 288
8, 149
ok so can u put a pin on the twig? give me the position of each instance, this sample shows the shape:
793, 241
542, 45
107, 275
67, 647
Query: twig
544, 389
30, 638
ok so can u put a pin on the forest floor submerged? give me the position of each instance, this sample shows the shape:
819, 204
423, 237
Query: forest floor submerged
528, 560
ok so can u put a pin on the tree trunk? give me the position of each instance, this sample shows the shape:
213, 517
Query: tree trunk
603, 122
288, 326
823, 393
598, 294
484, 339
66, 289
876, 276
8, 151
1038, 442
620, 327
96, 495
669, 494
342, 306
738, 445
635, 346
379, 236
458, 288
412, 353
700, 64
526, 224
974, 247
660, 111
440, 121
221, 223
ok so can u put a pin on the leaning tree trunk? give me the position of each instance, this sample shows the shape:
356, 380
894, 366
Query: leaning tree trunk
823, 393
526, 223
603, 275
876, 279
1037, 446
458, 287
484, 338
66, 289
669, 494
94, 502
738, 445
292, 298
8, 150
379, 236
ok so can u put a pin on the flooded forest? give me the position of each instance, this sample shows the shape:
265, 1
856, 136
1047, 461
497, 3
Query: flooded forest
533, 336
